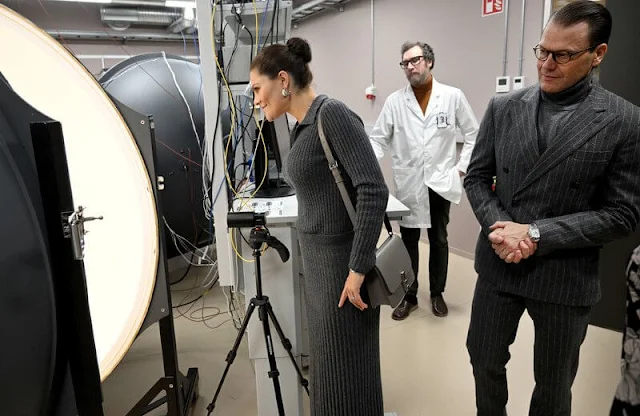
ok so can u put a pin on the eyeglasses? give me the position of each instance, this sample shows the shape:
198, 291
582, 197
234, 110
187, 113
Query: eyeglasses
562, 57
413, 61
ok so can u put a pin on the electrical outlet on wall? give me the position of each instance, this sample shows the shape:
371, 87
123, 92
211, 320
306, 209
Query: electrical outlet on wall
518, 83
502, 84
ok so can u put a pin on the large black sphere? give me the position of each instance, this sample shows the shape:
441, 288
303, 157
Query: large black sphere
146, 84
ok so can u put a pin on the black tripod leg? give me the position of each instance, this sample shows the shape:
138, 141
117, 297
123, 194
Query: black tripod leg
274, 373
232, 354
287, 346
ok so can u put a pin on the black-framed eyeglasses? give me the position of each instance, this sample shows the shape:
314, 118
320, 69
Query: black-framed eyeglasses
413, 61
561, 57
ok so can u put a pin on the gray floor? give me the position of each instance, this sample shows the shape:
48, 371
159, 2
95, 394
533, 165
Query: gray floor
425, 365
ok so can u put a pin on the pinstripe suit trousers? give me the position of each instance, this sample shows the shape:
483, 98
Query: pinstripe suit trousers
559, 333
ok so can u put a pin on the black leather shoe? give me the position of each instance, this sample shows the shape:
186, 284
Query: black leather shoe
438, 306
403, 310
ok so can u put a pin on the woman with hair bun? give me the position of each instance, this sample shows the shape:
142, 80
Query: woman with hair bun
337, 254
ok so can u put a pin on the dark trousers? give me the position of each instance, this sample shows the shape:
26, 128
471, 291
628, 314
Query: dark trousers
620, 408
559, 332
625, 401
438, 247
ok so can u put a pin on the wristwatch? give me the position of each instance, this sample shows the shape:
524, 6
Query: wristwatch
534, 232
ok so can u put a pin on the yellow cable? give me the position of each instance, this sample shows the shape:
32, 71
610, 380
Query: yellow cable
233, 244
266, 155
233, 114
233, 111
235, 248
233, 121
231, 101
245, 202
255, 13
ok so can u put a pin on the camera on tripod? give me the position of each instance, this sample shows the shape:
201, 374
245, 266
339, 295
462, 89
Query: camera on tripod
259, 232
260, 235
246, 220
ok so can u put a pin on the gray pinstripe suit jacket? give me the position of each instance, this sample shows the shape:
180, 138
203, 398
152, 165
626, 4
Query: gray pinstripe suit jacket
582, 192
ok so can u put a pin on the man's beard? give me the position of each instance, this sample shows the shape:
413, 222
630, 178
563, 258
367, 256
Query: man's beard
417, 80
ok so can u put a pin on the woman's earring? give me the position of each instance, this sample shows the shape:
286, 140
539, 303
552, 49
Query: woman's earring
285, 93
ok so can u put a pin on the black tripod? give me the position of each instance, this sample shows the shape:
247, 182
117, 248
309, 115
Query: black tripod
260, 235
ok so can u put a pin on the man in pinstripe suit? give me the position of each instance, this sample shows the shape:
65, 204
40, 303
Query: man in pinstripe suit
565, 154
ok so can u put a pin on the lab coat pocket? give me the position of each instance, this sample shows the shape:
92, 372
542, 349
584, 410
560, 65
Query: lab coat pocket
443, 120
404, 180
447, 183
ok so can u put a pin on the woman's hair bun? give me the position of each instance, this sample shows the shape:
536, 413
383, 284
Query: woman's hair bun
300, 48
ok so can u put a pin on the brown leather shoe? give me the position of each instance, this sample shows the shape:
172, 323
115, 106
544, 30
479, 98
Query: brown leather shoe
403, 310
438, 306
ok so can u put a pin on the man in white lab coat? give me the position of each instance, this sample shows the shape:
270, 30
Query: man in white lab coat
419, 124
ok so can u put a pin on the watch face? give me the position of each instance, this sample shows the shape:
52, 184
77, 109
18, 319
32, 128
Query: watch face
534, 233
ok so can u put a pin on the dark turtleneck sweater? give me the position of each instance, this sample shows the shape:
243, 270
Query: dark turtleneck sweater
555, 110
423, 94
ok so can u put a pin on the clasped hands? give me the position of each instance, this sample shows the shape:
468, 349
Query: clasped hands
511, 241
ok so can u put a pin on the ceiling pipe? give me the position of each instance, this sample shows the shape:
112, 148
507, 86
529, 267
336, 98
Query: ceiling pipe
122, 18
506, 37
72, 35
524, 16
151, 3
314, 3
314, 6
186, 23
138, 16
373, 44
147, 3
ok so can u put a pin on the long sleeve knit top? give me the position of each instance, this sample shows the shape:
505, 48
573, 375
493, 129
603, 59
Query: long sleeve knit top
321, 209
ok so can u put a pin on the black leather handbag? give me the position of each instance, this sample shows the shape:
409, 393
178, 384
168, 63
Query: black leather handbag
389, 281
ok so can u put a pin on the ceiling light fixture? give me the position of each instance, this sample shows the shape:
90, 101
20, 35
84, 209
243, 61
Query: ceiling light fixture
180, 3
87, 1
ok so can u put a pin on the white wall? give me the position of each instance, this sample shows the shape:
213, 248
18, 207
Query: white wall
468, 54
468, 48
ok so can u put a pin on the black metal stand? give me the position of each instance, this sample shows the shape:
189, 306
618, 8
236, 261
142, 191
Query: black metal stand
180, 391
260, 235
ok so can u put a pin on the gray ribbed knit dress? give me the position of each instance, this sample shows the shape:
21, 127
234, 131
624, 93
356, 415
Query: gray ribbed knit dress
344, 342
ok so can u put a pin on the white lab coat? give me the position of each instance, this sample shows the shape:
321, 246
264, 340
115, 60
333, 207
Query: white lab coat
423, 146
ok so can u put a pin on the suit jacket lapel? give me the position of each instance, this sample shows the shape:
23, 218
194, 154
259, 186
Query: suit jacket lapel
589, 118
524, 112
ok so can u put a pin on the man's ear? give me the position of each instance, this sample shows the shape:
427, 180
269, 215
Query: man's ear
600, 52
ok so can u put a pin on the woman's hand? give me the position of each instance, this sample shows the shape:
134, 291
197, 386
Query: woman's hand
351, 291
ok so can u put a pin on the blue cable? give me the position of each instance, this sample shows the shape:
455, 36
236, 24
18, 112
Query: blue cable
184, 42
243, 112
264, 17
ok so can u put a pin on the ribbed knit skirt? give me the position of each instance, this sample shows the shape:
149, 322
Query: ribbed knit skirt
344, 343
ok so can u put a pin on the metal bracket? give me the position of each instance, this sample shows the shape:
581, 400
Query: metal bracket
73, 226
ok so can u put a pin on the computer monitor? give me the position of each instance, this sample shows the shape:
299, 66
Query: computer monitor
270, 168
